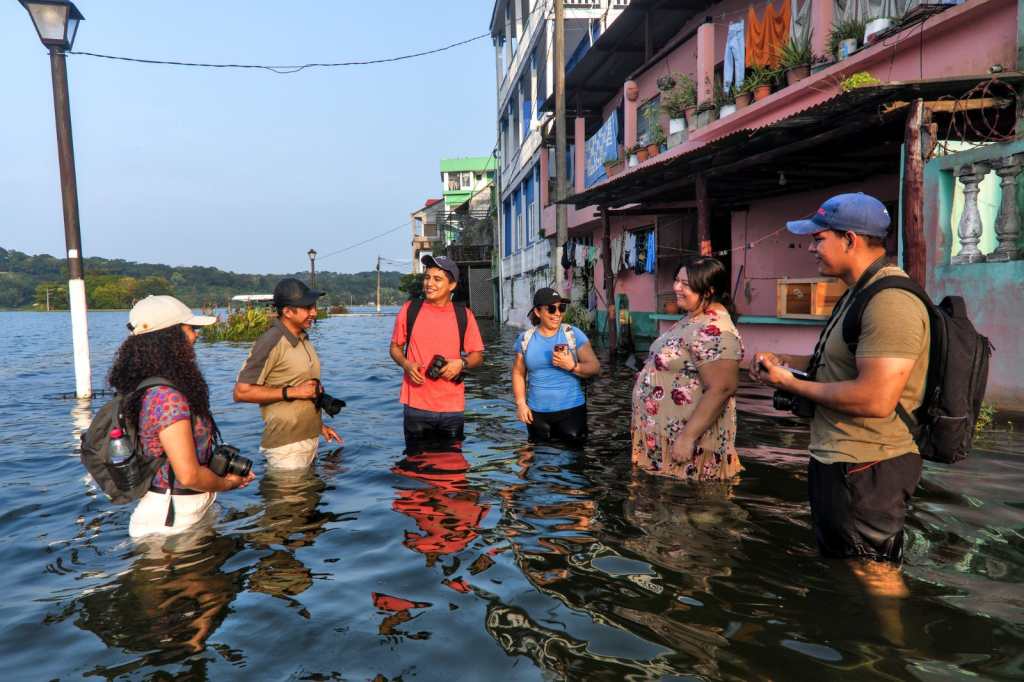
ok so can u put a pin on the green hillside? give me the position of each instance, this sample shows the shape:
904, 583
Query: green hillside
24, 281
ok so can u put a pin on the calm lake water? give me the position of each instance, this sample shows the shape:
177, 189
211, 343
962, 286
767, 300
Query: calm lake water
504, 563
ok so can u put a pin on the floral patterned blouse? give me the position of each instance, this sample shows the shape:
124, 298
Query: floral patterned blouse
161, 407
668, 390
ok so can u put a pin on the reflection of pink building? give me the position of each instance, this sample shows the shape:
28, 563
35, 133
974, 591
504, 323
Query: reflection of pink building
727, 186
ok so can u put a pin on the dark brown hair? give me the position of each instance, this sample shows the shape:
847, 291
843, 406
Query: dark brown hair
709, 279
166, 353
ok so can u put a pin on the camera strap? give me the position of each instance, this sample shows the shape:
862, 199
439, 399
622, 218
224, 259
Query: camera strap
838, 312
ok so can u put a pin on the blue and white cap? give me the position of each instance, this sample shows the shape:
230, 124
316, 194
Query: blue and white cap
855, 212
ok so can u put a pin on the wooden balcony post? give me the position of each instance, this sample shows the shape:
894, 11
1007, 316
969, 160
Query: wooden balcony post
914, 255
703, 215
705, 63
609, 280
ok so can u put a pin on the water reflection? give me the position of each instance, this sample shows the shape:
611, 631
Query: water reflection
169, 602
447, 511
292, 519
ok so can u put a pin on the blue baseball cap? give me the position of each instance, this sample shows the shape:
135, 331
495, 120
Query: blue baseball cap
855, 212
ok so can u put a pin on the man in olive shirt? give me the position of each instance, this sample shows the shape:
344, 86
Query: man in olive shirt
282, 376
864, 463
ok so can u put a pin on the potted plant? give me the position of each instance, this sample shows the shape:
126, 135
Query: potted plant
758, 81
641, 152
743, 96
861, 79
725, 99
795, 58
655, 133
844, 37
674, 104
633, 158
666, 82
612, 166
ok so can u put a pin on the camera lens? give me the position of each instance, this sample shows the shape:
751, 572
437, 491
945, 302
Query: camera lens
226, 460
782, 401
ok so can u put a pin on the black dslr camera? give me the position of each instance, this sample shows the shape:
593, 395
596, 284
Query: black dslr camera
436, 366
787, 402
328, 403
226, 460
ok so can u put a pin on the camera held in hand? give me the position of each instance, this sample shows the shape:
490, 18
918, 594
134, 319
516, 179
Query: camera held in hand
788, 402
326, 402
437, 365
226, 460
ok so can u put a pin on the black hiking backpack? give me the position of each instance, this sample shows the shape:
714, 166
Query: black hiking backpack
461, 319
129, 481
943, 427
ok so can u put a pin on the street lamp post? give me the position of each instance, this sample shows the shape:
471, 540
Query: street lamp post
312, 268
56, 22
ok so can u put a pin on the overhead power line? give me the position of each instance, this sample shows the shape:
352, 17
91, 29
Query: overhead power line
282, 69
404, 225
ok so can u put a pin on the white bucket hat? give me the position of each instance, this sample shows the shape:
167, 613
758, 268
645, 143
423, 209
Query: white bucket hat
154, 313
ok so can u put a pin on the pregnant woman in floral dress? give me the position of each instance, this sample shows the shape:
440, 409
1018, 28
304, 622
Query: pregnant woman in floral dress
684, 409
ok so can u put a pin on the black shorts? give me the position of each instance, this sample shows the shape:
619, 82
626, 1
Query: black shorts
858, 510
564, 425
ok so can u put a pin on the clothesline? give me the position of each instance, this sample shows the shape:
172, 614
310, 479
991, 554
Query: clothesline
724, 252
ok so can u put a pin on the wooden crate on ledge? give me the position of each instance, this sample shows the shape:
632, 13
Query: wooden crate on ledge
810, 298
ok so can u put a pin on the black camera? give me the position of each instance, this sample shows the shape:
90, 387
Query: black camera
329, 404
787, 402
437, 365
326, 402
226, 460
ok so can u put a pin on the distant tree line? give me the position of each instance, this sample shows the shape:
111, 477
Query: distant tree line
25, 281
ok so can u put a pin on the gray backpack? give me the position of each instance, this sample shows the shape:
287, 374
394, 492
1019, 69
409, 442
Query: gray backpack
129, 480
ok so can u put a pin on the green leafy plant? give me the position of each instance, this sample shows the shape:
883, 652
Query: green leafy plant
861, 79
655, 133
578, 316
845, 29
796, 52
756, 76
724, 96
684, 95
241, 325
986, 418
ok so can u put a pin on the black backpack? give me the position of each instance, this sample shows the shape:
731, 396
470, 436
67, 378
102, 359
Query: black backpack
943, 427
130, 480
460, 318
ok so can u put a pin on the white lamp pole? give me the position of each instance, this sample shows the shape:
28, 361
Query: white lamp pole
56, 22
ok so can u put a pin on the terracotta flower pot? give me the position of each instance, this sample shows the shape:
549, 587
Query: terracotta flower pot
612, 169
742, 100
671, 308
797, 74
762, 91
641, 154
652, 150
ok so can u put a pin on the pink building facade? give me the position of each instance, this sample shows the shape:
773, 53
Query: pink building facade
754, 184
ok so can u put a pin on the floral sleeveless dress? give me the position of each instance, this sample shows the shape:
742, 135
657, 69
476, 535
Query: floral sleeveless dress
668, 389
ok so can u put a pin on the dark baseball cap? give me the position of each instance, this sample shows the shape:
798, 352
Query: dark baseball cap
443, 262
547, 296
856, 212
292, 292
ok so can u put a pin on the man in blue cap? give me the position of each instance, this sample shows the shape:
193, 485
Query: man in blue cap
864, 462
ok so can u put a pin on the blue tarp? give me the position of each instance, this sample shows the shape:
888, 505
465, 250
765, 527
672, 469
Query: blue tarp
603, 146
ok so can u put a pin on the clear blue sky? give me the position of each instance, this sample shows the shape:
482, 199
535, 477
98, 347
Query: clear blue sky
243, 170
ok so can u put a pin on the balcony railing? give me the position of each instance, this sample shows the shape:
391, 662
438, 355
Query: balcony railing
971, 230
469, 254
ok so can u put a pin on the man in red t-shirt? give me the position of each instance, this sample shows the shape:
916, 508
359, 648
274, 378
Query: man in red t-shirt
434, 407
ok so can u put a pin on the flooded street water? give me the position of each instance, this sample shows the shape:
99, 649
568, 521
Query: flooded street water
503, 562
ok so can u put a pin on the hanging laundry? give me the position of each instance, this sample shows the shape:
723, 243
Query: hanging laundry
616, 259
591, 254
640, 263
735, 55
652, 251
581, 254
563, 257
765, 37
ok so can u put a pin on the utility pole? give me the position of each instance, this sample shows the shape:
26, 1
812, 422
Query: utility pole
561, 216
378, 284
47, 299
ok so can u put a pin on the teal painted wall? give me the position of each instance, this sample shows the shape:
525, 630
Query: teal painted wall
994, 292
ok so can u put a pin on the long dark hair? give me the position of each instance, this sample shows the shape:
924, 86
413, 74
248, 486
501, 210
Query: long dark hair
710, 281
165, 353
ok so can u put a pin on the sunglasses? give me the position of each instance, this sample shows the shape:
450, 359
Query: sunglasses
553, 308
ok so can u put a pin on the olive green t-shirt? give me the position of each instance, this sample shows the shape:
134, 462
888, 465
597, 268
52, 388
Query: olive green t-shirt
894, 325
278, 359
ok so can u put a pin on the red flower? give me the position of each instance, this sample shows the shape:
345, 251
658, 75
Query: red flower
712, 330
651, 407
680, 397
658, 393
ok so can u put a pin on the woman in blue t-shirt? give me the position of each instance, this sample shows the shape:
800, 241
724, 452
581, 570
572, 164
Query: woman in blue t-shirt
551, 358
